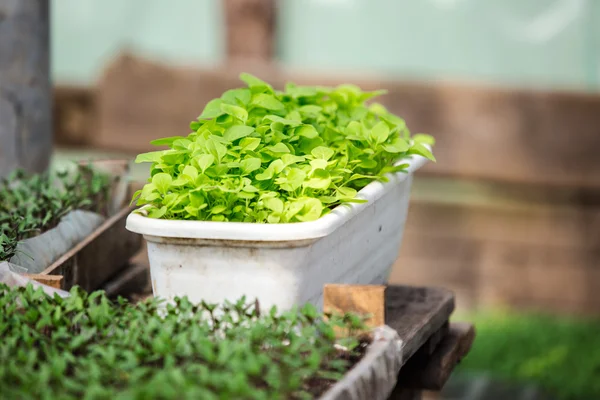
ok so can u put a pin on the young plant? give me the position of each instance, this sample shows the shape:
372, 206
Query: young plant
261, 155
32, 204
85, 346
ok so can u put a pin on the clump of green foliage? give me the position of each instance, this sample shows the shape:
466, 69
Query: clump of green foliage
32, 204
261, 155
561, 355
85, 346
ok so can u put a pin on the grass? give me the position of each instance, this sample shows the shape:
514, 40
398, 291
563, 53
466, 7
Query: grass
560, 354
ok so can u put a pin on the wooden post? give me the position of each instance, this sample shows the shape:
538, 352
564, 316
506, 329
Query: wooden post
250, 30
25, 90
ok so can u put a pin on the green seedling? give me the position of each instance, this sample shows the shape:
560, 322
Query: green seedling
32, 204
261, 155
86, 346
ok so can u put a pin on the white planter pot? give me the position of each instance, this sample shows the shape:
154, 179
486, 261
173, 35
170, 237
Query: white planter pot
280, 264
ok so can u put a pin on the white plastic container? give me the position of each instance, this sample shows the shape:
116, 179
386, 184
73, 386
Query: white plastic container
280, 264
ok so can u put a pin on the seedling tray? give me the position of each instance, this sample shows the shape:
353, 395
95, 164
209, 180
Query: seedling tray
107, 250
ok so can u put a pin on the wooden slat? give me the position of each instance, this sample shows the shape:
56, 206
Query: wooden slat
55, 281
504, 256
99, 256
416, 313
511, 135
431, 371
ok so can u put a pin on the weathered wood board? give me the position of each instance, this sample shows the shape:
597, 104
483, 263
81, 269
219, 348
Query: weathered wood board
99, 256
505, 255
431, 370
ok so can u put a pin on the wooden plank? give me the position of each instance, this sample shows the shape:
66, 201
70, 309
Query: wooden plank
250, 30
54, 281
505, 256
426, 371
99, 256
25, 98
549, 137
536, 225
416, 313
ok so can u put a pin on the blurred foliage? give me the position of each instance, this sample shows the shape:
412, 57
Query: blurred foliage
561, 354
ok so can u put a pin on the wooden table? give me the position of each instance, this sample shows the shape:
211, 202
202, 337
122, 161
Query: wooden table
432, 346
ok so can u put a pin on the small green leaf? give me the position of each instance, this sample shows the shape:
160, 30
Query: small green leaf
237, 132
191, 172
235, 111
318, 163
249, 165
419, 149
322, 152
157, 212
311, 210
218, 150
255, 83
300, 91
424, 139
204, 161
289, 159
368, 163
212, 110
311, 111
267, 101
346, 193
162, 181
320, 180
278, 148
307, 131
249, 143
355, 131
166, 141
398, 145
284, 121
380, 132
153, 156
218, 209
274, 204
237, 96
293, 180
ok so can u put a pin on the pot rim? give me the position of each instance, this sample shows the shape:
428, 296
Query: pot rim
252, 231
